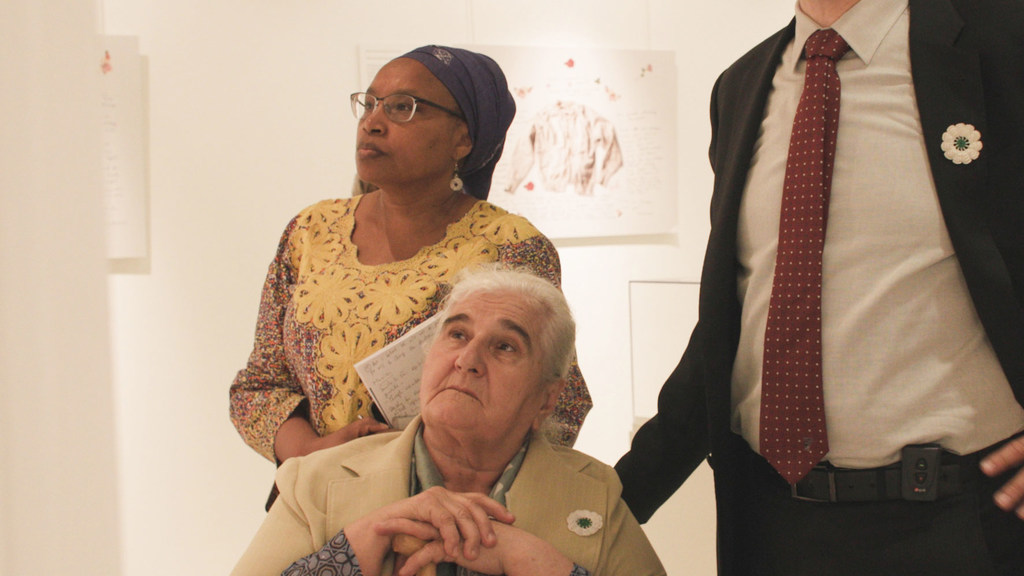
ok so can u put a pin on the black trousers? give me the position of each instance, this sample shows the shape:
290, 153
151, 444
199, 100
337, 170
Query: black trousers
960, 535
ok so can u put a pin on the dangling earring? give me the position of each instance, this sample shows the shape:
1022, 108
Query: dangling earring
456, 182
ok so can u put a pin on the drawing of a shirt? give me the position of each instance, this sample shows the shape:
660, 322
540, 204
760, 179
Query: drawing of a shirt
572, 146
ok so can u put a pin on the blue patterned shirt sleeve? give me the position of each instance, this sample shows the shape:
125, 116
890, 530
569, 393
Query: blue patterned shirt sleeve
336, 558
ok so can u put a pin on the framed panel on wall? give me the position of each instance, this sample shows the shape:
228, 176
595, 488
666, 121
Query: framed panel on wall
662, 314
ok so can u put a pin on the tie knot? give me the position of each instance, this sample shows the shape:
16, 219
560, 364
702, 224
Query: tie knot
827, 43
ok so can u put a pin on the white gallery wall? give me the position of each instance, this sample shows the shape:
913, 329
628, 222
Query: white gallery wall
59, 503
249, 122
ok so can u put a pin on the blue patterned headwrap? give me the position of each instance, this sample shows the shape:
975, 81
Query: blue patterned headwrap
480, 89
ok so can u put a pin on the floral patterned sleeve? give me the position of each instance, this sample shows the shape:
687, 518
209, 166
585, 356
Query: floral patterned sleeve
265, 393
336, 558
539, 255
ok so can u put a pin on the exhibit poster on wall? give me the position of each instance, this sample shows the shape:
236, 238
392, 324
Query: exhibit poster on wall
592, 150
124, 147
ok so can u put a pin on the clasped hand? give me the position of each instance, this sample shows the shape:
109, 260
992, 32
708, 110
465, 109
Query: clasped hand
468, 529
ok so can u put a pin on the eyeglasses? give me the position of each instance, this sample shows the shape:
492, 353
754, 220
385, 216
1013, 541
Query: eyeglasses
398, 107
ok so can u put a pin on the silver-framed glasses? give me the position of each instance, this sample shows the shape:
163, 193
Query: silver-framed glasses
398, 108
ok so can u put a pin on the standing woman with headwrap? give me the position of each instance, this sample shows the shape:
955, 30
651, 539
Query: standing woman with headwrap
354, 274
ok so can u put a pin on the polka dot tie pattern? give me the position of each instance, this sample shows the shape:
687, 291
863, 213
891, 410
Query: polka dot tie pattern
792, 433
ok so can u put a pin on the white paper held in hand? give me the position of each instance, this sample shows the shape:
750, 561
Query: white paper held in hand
392, 374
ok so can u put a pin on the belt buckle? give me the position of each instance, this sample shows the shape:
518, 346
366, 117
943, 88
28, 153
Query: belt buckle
830, 475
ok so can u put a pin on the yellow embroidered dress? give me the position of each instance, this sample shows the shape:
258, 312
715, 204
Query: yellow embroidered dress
322, 311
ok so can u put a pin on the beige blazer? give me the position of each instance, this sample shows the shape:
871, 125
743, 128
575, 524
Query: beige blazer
324, 491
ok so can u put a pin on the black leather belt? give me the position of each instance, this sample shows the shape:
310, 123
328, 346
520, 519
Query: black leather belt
826, 483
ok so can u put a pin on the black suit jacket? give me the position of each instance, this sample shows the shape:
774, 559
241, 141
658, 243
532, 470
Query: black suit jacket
967, 59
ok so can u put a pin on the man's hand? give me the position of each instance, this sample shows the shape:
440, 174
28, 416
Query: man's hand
1009, 457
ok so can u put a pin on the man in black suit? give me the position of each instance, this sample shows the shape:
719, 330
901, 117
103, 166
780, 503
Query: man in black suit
922, 303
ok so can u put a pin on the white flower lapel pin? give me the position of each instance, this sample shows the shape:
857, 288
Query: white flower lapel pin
584, 522
961, 143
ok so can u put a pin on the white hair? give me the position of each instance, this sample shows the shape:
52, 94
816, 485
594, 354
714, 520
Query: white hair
557, 339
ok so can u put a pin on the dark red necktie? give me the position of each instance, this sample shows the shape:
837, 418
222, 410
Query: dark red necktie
792, 433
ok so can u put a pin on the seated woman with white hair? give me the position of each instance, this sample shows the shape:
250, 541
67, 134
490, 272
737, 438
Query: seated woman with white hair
470, 482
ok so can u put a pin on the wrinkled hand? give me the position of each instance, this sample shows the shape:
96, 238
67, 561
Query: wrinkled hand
1009, 457
460, 523
516, 553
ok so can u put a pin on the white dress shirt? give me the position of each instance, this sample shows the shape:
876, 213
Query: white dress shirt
905, 357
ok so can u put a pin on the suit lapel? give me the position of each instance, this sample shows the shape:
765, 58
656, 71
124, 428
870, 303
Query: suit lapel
738, 107
546, 492
949, 85
743, 92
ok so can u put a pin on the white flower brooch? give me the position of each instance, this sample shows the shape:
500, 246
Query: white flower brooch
961, 143
584, 522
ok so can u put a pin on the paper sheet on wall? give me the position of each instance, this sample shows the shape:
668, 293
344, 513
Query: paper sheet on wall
124, 145
392, 375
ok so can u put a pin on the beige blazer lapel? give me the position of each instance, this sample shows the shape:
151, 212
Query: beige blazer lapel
547, 490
